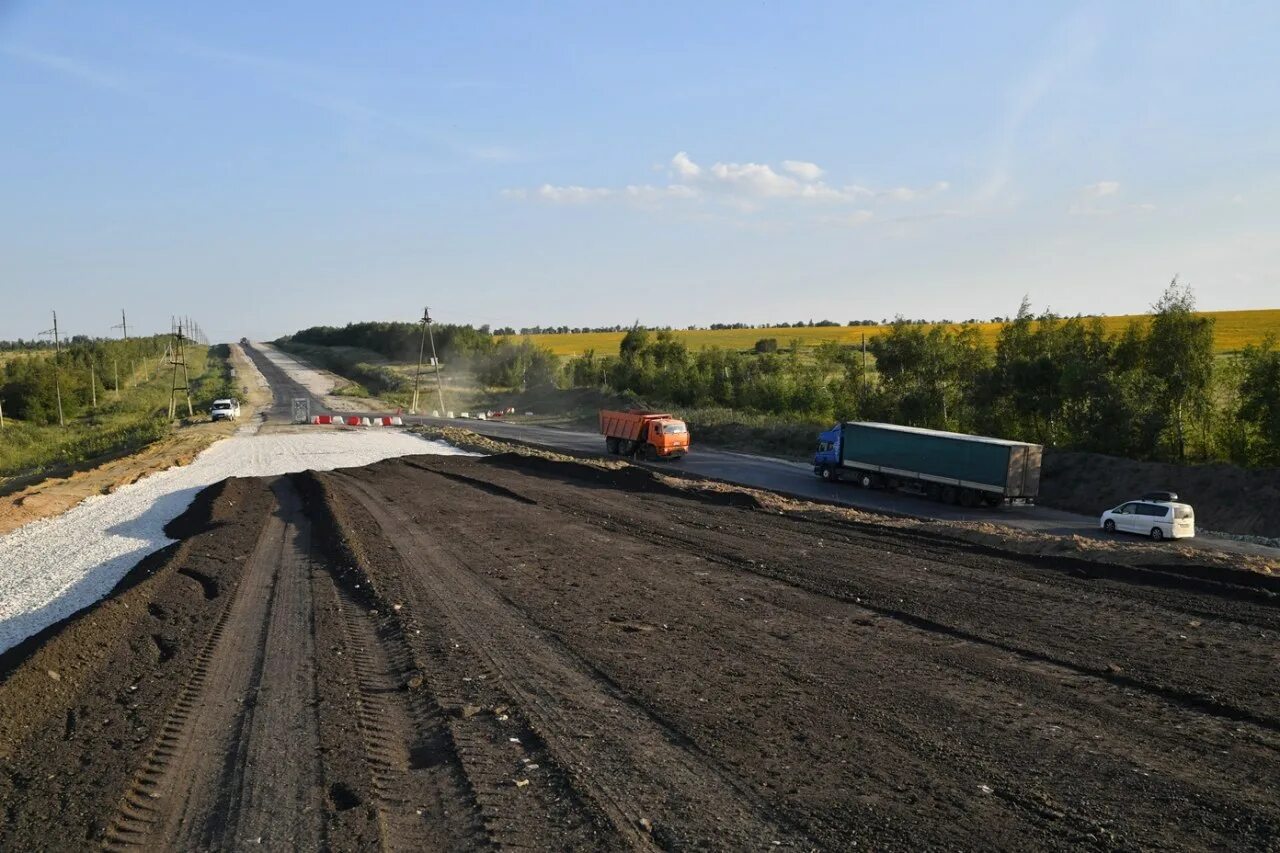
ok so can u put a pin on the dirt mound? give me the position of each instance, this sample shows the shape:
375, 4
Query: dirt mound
628, 477
1226, 498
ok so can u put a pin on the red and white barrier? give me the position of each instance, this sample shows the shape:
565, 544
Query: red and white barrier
357, 420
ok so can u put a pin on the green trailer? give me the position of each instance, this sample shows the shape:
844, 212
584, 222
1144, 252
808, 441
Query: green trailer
948, 466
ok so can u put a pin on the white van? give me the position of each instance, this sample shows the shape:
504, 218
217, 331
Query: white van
224, 410
1157, 519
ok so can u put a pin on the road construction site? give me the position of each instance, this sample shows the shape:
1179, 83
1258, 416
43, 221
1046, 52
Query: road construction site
530, 651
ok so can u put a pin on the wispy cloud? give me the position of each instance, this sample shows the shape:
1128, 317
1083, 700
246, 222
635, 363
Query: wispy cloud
1103, 198
345, 95
72, 69
1071, 47
745, 187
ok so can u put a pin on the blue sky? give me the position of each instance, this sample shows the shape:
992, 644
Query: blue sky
265, 167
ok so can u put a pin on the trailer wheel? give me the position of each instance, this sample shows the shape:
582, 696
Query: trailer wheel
969, 498
950, 495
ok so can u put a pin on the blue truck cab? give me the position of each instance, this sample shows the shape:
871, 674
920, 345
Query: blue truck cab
827, 459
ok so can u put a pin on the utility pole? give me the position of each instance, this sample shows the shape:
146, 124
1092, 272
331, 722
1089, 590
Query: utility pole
123, 325
417, 374
115, 374
1, 414
179, 359
93, 381
426, 316
57, 377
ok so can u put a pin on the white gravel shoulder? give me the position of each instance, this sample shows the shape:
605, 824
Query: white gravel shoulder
51, 568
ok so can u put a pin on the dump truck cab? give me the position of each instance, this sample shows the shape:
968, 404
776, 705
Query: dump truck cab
669, 437
644, 434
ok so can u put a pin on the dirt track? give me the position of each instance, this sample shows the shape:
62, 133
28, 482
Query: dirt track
445, 653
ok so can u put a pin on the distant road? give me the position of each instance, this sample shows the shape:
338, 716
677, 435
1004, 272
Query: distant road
780, 475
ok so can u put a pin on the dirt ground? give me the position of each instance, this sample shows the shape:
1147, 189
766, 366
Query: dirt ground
452, 653
55, 495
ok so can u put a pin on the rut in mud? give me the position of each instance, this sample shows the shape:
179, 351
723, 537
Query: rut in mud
448, 653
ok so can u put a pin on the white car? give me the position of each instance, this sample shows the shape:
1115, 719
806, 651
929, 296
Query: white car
228, 410
1157, 519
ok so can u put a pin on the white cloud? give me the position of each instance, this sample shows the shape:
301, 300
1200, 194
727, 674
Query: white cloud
685, 167
801, 169
742, 187
573, 194
756, 179
1102, 188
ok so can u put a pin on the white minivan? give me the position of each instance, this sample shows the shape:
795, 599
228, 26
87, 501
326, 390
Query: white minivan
1157, 519
227, 410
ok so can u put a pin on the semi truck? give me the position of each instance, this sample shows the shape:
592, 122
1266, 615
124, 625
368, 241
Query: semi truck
945, 466
644, 434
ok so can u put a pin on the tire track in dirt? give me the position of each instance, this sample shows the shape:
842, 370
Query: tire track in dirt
642, 775
216, 776
421, 795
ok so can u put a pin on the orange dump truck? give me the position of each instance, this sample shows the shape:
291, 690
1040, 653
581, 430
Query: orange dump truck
644, 434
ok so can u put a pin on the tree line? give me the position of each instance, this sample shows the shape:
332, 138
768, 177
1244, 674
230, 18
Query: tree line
86, 369
495, 360
1153, 391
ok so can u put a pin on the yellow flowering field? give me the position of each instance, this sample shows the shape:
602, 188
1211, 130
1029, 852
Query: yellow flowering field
1232, 331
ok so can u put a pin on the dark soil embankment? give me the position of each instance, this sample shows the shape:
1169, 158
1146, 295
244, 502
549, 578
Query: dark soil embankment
445, 653
1225, 497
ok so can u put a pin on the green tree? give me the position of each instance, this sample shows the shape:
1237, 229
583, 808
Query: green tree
1260, 398
1180, 360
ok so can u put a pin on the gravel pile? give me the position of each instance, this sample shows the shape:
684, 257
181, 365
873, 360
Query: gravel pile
51, 568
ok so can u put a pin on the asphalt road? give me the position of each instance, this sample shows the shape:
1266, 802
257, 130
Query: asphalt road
780, 475
797, 478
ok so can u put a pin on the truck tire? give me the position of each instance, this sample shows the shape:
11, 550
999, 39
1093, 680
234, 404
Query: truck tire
611, 444
969, 498
950, 495
824, 471
866, 480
